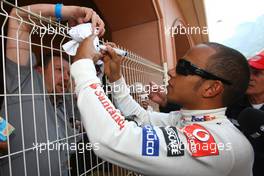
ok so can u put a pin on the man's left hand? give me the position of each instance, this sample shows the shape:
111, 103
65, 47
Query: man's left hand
78, 15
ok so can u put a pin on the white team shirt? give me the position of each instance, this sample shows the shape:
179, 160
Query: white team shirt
183, 143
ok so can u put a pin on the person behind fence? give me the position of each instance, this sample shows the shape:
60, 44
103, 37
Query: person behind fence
254, 98
197, 140
255, 93
33, 107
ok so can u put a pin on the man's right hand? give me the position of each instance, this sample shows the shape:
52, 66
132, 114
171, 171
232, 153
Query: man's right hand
87, 50
112, 61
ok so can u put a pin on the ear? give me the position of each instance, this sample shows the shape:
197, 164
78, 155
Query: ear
39, 69
212, 88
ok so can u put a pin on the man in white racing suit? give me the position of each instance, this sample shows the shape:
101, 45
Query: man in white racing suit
198, 140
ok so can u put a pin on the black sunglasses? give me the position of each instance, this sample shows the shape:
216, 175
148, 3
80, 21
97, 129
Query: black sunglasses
185, 67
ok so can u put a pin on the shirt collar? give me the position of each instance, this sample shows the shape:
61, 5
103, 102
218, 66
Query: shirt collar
202, 115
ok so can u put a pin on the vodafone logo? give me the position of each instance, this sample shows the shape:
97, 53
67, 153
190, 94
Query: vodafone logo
199, 138
201, 135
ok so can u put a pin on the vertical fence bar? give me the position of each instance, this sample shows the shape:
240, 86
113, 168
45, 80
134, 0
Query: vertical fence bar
20, 92
33, 88
135, 70
44, 92
4, 84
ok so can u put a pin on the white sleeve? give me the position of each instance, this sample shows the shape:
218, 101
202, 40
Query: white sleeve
128, 106
148, 150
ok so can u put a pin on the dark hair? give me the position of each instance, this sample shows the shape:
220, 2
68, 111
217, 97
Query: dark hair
231, 65
47, 59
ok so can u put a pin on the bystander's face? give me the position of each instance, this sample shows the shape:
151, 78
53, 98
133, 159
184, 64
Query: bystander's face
57, 76
182, 89
256, 84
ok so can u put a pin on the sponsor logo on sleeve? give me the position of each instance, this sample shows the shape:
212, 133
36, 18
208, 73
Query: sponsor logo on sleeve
174, 145
200, 141
150, 141
108, 106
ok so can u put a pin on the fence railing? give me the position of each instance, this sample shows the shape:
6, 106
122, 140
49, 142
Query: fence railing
44, 117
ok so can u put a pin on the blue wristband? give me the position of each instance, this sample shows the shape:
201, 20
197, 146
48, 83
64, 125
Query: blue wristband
58, 11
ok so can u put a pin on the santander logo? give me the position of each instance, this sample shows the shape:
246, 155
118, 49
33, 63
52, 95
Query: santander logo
108, 106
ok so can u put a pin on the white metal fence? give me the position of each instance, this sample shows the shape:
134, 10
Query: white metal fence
26, 104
